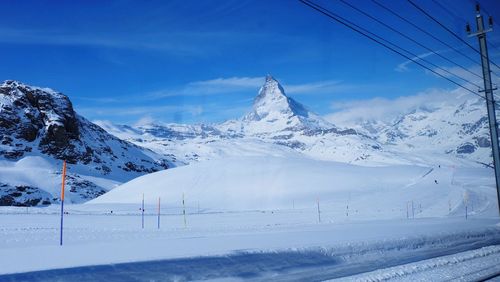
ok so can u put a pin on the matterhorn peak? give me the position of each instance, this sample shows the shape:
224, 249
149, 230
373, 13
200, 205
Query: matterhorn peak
271, 88
271, 98
274, 111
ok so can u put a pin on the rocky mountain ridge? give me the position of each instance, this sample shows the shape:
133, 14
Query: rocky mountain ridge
40, 122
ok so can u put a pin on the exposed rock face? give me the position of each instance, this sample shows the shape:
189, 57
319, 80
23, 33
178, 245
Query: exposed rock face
29, 113
24, 196
40, 121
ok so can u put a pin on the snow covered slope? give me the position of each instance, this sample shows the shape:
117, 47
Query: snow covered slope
249, 183
39, 129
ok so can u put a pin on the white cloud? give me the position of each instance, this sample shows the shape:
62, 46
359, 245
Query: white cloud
472, 74
327, 86
193, 110
404, 65
211, 87
144, 120
348, 113
239, 84
184, 43
232, 82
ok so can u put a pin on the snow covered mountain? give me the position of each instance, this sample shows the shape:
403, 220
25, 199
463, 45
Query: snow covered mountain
39, 126
273, 111
39, 129
276, 125
451, 129
456, 127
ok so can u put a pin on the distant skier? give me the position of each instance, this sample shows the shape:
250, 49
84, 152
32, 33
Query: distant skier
435, 181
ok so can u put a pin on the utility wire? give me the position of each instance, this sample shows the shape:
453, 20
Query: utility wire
426, 32
493, 45
366, 33
415, 41
448, 30
450, 12
481, 6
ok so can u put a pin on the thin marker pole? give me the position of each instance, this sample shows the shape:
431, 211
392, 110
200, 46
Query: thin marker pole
142, 210
412, 210
184, 210
319, 212
62, 202
158, 212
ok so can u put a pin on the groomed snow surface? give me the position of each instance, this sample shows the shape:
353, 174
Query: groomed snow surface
257, 218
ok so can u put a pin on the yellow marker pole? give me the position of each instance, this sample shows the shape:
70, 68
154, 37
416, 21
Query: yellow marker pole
62, 201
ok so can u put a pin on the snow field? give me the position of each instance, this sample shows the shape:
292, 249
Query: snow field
274, 183
239, 207
29, 242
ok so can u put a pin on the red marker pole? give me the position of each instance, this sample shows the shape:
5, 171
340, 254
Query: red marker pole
62, 201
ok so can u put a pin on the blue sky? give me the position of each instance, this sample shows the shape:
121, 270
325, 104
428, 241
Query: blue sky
203, 61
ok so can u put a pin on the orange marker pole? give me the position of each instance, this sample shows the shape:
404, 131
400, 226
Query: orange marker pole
62, 201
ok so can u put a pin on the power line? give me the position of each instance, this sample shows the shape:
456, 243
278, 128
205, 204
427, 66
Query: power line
414, 41
493, 45
450, 12
481, 7
448, 30
366, 33
426, 32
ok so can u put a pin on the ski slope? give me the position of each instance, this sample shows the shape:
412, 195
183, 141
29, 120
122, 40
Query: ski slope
254, 183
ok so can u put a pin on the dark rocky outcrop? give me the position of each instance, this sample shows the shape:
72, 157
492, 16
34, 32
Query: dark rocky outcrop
39, 121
